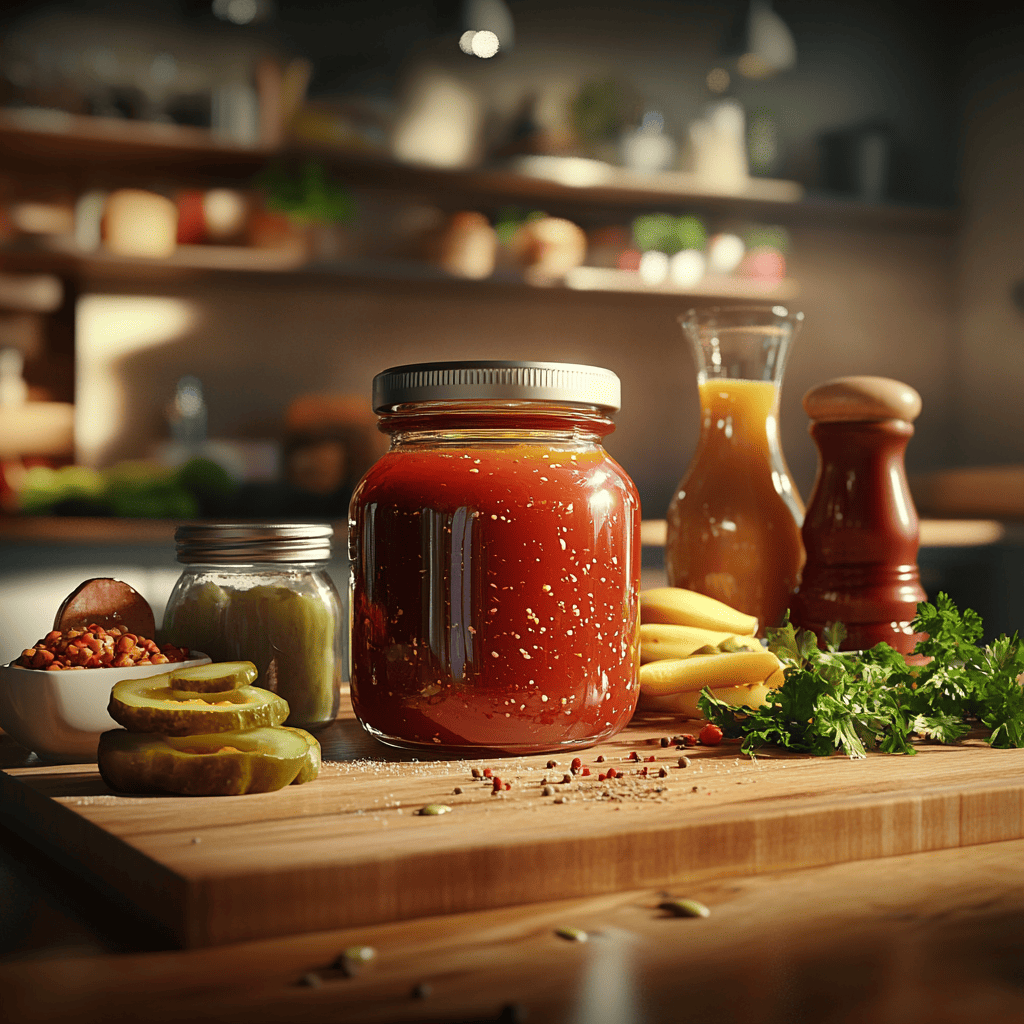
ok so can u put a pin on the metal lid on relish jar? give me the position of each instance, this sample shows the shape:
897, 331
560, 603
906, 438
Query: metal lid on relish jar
496, 379
245, 543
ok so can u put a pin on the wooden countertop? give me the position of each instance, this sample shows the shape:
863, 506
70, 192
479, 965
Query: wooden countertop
932, 936
925, 937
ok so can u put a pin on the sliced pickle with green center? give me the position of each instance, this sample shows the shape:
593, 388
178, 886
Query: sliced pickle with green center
311, 769
213, 764
213, 678
152, 705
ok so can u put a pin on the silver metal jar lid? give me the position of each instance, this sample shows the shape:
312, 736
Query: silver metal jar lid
243, 543
501, 379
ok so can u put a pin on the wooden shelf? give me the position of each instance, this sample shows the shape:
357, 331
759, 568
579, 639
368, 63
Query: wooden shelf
61, 258
78, 152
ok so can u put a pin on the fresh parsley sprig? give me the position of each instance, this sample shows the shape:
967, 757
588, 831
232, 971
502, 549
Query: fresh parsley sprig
874, 700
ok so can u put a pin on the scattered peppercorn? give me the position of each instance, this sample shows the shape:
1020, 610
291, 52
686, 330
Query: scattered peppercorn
552, 764
566, 778
662, 773
643, 772
684, 762
548, 791
477, 774
665, 741
457, 791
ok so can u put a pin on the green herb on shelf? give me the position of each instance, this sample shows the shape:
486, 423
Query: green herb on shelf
309, 196
856, 702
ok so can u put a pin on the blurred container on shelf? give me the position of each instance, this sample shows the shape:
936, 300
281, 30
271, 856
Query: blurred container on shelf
719, 147
547, 248
725, 253
330, 440
216, 215
464, 245
140, 223
648, 148
439, 121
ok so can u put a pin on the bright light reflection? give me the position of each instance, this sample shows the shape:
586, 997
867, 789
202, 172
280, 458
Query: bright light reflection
108, 329
485, 44
899, 498
479, 44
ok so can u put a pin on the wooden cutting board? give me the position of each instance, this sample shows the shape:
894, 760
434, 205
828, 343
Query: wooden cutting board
351, 849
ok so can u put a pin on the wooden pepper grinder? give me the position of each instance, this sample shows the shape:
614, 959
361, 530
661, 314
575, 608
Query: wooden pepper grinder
860, 532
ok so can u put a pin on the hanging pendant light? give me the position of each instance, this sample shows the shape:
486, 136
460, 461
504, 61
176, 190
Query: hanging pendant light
488, 28
761, 42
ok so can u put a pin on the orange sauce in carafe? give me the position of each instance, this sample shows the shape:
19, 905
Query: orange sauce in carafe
734, 523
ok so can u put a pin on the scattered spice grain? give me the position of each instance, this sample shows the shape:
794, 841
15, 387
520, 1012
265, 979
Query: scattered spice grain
685, 908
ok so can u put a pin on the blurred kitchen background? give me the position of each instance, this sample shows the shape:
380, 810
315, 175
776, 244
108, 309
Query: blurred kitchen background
220, 218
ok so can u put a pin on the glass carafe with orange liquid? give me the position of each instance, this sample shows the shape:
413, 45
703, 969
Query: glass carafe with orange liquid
734, 522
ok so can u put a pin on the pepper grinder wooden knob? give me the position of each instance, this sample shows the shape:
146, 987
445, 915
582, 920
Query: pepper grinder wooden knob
860, 532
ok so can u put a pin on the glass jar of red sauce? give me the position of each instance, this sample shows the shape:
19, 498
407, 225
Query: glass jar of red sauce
495, 555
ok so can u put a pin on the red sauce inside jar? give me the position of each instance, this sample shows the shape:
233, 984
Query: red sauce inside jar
495, 595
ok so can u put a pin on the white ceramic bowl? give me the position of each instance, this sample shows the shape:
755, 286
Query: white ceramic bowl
60, 715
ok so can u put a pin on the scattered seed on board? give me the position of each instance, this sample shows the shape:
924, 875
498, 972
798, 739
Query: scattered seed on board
566, 778
684, 762
432, 809
562, 799
354, 959
477, 774
548, 791
457, 791
572, 934
685, 908
665, 741
552, 764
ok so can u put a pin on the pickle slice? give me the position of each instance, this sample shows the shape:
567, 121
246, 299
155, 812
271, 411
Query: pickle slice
213, 678
212, 764
311, 768
150, 705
